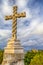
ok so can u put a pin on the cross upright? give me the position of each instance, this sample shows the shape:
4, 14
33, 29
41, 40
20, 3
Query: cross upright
14, 17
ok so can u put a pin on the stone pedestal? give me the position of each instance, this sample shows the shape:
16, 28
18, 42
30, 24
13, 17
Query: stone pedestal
13, 53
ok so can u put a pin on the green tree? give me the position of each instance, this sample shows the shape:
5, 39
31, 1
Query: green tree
1, 56
28, 56
37, 60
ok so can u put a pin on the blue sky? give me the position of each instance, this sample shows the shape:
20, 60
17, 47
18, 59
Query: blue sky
30, 29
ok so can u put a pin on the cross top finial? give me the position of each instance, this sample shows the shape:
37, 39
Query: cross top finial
14, 18
15, 7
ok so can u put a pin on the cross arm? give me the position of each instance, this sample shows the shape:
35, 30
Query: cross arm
20, 15
8, 17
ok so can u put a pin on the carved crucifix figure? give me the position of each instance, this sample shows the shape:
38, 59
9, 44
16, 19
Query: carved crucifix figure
14, 20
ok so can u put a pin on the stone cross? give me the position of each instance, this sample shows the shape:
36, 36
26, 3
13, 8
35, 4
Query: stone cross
14, 20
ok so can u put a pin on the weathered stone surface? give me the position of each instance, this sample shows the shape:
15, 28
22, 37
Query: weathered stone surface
13, 53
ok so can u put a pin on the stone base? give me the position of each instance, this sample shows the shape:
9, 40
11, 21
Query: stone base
13, 53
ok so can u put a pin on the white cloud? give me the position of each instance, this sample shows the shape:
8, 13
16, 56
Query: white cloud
28, 30
21, 3
24, 32
34, 28
4, 36
5, 33
0, 15
30, 42
39, 29
6, 8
